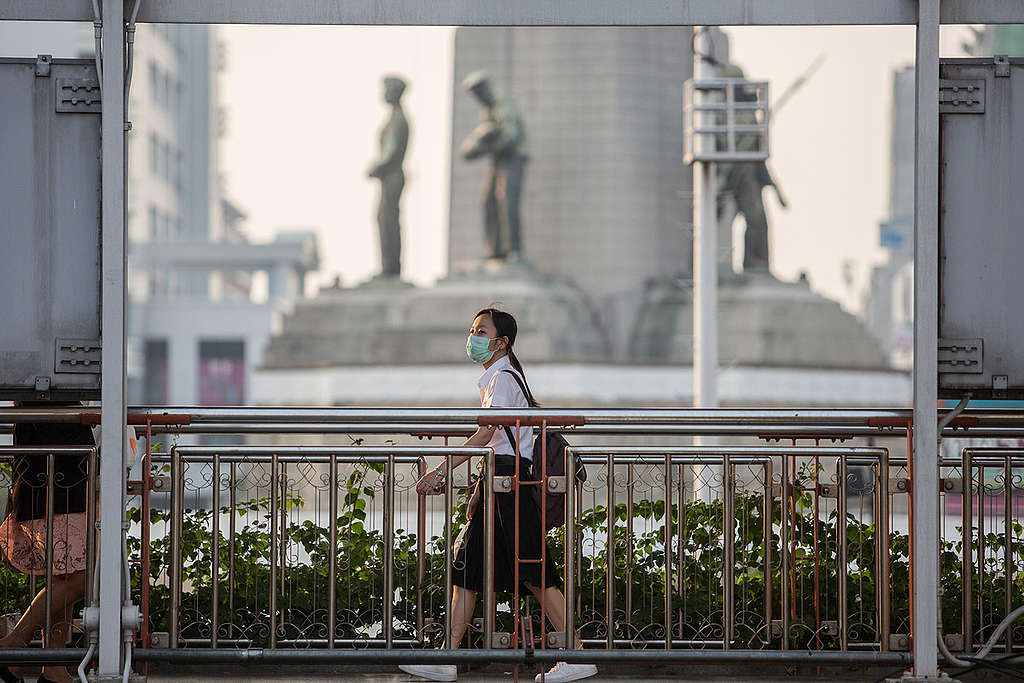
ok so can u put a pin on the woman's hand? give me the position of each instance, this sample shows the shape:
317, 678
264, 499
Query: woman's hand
430, 483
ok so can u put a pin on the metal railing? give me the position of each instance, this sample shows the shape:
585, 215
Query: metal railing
249, 548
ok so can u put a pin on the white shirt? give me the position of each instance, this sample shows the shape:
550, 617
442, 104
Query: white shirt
499, 389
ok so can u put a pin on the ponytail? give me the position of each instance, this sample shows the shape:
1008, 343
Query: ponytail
519, 368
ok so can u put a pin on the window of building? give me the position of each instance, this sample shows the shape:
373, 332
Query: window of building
221, 373
154, 75
154, 377
154, 153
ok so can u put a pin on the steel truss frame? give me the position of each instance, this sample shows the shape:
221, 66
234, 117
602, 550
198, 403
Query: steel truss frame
925, 15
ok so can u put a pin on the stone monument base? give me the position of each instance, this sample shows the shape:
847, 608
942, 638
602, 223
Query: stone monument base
387, 321
761, 321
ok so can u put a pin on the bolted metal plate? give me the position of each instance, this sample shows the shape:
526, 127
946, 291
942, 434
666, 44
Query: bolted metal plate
830, 628
899, 485
501, 640
951, 485
828, 490
77, 95
962, 96
503, 484
961, 356
899, 642
78, 355
557, 640
557, 484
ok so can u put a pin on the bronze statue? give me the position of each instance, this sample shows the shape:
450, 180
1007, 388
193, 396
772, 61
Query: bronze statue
743, 182
394, 138
501, 136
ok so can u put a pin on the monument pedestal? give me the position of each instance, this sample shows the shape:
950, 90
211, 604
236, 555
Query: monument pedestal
761, 321
387, 321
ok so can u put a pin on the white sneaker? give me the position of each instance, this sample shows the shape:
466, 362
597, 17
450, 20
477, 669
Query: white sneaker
563, 671
434, 672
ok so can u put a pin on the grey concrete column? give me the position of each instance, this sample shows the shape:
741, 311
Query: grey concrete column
925, 478
112, 493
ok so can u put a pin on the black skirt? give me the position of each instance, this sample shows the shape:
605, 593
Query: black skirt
468, 566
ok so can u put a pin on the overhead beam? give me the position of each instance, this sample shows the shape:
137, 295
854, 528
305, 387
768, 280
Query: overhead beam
533, 12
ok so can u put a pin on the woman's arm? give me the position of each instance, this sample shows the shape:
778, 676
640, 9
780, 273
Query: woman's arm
433, 479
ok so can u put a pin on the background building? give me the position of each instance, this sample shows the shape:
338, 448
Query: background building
202, 298
889, 313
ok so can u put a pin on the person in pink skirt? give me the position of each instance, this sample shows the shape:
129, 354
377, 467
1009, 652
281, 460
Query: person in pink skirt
23, 542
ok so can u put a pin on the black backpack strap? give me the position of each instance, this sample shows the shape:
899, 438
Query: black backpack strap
512, 439
519, 381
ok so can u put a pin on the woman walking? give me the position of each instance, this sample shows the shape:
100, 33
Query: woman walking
23, 541
490, 343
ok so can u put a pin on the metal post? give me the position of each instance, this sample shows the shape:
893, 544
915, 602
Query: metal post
389, 552
609, 579
215, 555
489, 550
50, 540
705, 277
448, 540
925, 492
112, 479
570, 554
332, 568
967, 577
728, 554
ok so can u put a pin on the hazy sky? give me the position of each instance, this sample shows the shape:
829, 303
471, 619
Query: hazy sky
304, 110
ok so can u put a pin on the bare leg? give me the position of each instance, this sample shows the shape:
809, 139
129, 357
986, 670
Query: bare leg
463, 603
65, 592
554, 608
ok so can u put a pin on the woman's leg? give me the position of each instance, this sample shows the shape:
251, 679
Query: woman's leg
554, 608
65, 591
463, 604
73, 590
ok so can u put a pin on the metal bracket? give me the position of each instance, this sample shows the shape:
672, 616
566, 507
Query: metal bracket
161, 483
961, 356
43, 65
951, 485
776, 628
160, 640
962, 96
557, 640
899, 485
557, 484
954, 641
899, 642
501, 640
77, 96
830, 628
78, 355
1002, 66
503, 484
828, 490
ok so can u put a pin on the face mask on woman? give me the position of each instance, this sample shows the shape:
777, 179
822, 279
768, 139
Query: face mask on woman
476, 348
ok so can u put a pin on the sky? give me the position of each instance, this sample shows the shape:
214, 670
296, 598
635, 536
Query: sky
304, 109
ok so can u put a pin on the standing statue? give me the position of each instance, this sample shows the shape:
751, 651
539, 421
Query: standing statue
501, 136
394, 138
740, 186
